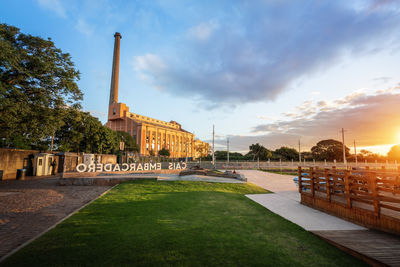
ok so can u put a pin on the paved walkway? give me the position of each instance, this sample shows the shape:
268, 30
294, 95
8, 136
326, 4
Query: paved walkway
286, 203
28, 208
198, 178
374, 247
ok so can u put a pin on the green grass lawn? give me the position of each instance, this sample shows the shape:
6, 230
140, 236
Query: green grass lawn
149, 223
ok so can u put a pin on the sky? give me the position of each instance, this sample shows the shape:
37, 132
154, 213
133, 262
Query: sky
269, 72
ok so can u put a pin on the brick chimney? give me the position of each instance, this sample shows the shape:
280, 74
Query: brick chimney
115, 70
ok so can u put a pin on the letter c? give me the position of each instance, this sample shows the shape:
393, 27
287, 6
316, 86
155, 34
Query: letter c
123, 167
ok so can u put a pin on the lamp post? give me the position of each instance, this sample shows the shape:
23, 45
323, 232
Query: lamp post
213, 154
299, 154
186, 150
227, 144
344, 149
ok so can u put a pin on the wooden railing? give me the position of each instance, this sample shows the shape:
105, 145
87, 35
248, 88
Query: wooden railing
367, 197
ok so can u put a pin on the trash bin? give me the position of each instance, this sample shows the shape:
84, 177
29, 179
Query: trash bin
21, 174
1, 175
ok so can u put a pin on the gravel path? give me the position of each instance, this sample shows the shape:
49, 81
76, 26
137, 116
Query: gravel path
28, 208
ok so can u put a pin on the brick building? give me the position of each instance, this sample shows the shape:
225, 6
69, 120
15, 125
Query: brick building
150, 134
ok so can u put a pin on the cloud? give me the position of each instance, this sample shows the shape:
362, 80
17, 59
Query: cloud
203, 31
383, 79
258, 53
148, 63
265, 117
97, 113
369, 119
349, 98
83, 27
315, 93
53, 5
147, 66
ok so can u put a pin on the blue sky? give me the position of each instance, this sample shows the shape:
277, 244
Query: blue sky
271, 72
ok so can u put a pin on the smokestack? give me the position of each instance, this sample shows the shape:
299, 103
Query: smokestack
115, 70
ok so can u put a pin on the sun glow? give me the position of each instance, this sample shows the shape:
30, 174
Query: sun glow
379, 149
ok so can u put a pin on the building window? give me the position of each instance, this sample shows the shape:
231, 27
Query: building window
114, 111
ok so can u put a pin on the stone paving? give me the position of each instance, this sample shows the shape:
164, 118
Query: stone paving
28, 208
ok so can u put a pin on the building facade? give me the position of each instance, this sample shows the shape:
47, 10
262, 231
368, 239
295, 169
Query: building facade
150, 134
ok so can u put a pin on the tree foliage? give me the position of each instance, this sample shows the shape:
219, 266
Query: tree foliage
37, 82
394, 153
285, 153
330, 150
130, 142
82, 132
164, 152
259, 151
202, 150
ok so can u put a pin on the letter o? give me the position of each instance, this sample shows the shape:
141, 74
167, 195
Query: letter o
79, 169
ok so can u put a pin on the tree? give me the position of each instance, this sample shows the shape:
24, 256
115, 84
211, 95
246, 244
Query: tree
394, 153
37, 82
202, 150
330, 150
164, 152
258, 151
70, 135
286, 153
368, 155
130, 142
82, 132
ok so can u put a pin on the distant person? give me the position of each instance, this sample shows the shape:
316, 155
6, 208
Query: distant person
53, 165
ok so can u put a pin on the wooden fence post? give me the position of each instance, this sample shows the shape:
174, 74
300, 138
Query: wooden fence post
299, 178
347, 188
327, 185
312, 181
334, 179
372, 180
383, 176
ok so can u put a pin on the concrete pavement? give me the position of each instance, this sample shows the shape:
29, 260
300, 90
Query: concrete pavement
286, 202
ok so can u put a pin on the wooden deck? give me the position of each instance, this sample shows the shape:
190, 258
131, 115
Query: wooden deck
374, 247
367, 197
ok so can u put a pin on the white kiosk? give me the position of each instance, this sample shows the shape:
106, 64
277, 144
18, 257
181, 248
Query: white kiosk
43, 164
88, 159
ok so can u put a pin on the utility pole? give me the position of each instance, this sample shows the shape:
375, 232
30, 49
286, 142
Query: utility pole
227, 144
213, 155
299, 153
355, 151
344, 148
52, 142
